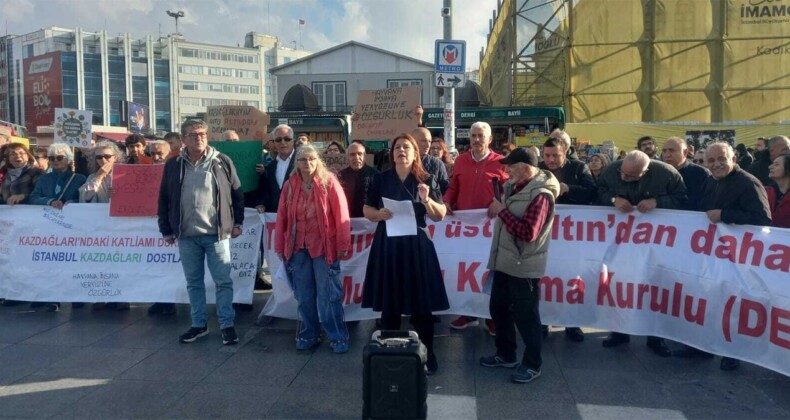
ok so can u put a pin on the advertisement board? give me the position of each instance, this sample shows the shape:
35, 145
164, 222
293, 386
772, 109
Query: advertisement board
43, 89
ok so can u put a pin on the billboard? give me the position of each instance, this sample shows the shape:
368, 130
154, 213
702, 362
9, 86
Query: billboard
136, 117
43, 89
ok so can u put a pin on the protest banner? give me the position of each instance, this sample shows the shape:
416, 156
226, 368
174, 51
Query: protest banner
73, 127
385, 113
721, 288
78, 254
136, 190
245, 155
249, 122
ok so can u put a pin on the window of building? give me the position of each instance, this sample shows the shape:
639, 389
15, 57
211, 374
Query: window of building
403, 82
330, 95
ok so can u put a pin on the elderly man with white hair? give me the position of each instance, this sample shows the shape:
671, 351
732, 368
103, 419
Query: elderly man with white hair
639, 183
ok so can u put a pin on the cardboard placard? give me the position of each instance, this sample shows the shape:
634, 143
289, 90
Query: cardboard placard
245, 155
385, 113
249, 122
136, 190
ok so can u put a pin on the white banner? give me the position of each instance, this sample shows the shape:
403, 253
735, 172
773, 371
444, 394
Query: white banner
721, 288
80, 254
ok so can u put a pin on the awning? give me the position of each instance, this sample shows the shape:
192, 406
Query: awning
116, 137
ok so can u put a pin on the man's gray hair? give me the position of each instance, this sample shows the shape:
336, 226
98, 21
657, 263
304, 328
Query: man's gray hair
283, 126
773, 140
186, 125
563, 136
61, 148
483, 126
681, 141
728, 150
637, 157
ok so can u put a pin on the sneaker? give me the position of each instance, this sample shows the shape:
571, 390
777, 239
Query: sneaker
122, 306
729, 364
168, 309
339, 347
302, 344
524, 374
464, 322
193, 334
229, 336
491, 327
615, 339
574, 334
431, 365
497, 361
52, 307
156, 308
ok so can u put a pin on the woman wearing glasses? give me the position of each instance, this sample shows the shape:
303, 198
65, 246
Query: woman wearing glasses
62, 185
97, 187
313, 234
21, 175
56, 189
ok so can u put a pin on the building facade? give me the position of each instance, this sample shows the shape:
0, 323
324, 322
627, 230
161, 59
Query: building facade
176, 79
336, 75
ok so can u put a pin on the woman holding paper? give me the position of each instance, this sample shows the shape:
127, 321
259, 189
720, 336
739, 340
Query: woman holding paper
403, 274
313, 234
101, 160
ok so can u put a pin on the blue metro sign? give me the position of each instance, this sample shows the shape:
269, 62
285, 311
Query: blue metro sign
450, 56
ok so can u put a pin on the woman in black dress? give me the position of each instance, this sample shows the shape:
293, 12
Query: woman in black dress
403, 276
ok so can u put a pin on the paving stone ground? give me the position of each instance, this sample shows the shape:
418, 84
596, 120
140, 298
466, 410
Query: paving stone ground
106, 365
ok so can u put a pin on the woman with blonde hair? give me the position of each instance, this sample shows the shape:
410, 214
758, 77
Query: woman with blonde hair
313, 234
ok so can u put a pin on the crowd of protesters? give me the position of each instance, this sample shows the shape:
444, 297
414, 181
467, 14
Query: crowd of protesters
201, 207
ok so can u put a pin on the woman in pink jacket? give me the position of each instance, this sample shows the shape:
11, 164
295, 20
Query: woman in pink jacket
313, 234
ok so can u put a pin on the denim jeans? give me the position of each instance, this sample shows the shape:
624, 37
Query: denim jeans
319, 292
195, 251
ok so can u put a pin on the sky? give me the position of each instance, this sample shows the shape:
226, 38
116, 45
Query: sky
407, 27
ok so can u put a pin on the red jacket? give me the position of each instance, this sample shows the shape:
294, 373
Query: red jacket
780, 214
334, 226
471, 186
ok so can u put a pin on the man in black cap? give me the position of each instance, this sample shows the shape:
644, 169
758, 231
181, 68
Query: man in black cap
519, 253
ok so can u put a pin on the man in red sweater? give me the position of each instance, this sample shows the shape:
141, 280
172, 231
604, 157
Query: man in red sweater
471, 187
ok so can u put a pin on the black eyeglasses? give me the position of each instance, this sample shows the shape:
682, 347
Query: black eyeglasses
57, 158
282, 139
105, 157
698, 161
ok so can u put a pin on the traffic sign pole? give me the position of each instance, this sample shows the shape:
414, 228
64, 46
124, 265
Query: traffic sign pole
449, 108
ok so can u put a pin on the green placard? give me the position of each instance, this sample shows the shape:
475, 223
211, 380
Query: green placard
245, 155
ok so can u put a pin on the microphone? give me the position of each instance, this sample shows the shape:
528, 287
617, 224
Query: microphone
497, 189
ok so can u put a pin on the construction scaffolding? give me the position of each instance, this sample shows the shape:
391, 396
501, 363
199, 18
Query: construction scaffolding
642, 60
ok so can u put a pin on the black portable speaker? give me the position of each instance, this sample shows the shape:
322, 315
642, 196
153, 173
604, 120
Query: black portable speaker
395, 385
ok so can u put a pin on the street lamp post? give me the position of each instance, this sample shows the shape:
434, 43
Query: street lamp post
176, 15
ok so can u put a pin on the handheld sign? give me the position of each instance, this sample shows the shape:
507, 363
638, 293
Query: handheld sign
385, 113
245, 155
249, 122
136, 190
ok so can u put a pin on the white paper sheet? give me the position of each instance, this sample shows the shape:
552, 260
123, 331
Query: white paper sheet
402, 221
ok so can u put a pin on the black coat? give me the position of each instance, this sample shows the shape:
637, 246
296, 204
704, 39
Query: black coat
268, 190
355, 186
759, 168
581, 186
742, 200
